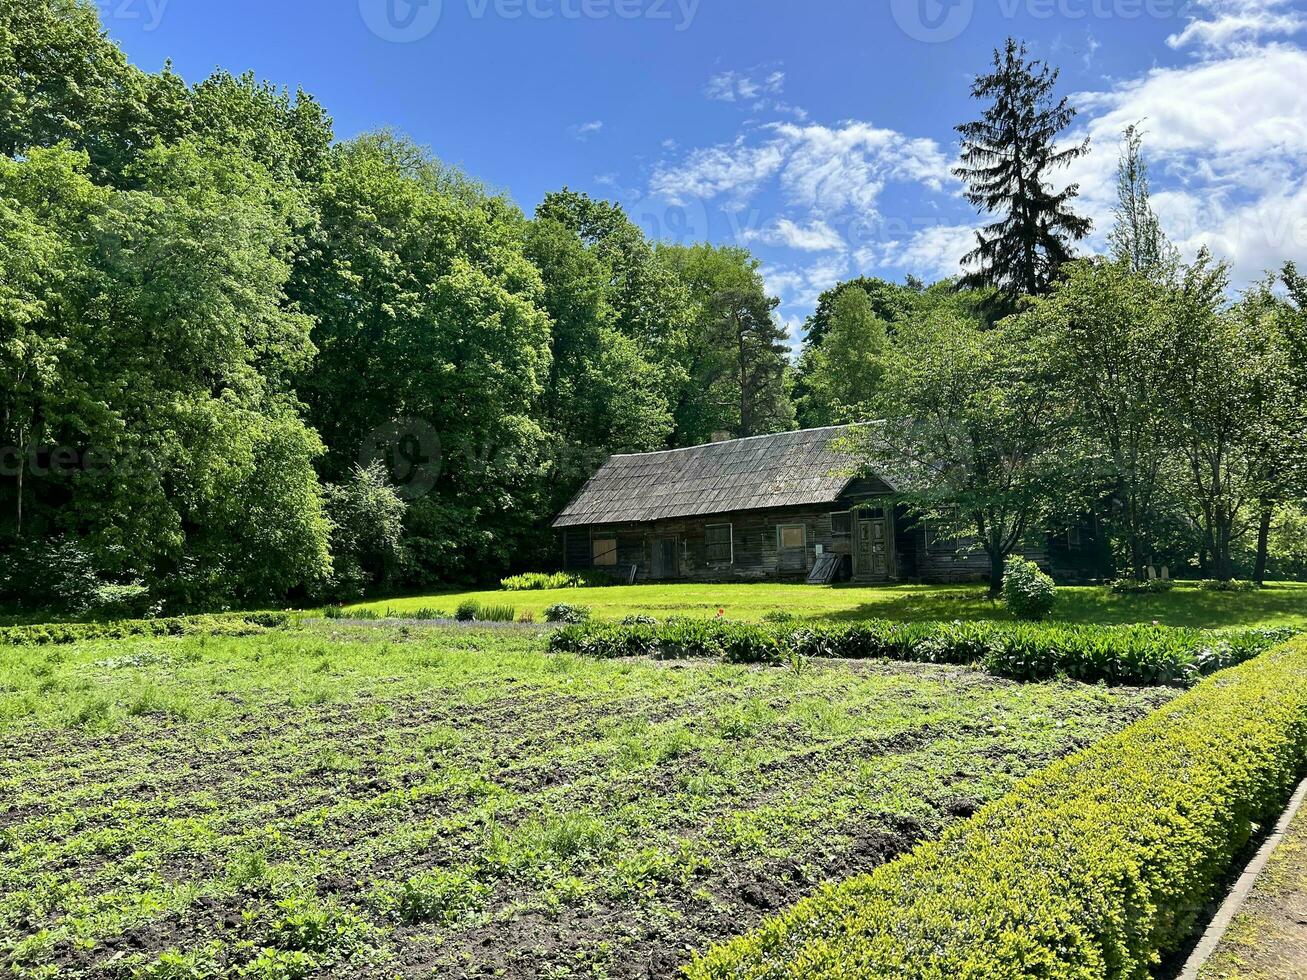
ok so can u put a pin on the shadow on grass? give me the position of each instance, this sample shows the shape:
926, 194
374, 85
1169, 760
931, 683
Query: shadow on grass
1278, 604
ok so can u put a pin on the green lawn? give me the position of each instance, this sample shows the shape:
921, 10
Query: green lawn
1282, 604
368, 800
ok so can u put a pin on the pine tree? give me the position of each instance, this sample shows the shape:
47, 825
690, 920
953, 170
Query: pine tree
1007, 158
1138, 240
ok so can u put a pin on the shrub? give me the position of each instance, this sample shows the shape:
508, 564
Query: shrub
238, 624
540, 581
1134, 586
1231, 585
497, 614
563, 613
527, 617
1099, 866
639, 621
1023, 651
367, 531
1028, 593
467, 611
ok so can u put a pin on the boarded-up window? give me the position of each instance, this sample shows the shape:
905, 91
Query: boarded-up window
792, 537
719, 544
605, 551
841, 525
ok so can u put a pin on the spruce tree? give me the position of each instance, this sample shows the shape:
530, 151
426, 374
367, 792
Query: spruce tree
1138, 240
1008, 156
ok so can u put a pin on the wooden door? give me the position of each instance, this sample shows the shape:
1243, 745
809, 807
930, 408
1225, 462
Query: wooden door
665, 553
873, 549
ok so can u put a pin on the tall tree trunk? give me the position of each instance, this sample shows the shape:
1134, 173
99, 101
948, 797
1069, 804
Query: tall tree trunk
993, 548
1263, 542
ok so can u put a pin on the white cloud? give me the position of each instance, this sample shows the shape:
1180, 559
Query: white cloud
817, 236
732, 86
1227, 141
736, 169
830, 171
1230, 23
583, 131
934, 252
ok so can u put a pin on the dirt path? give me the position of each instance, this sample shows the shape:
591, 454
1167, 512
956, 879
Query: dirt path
1268, 939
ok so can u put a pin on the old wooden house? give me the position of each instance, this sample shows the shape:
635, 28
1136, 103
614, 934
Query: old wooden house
790, 506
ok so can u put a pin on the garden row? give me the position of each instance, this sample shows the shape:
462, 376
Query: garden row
1099, 867
1024, 651
227, 624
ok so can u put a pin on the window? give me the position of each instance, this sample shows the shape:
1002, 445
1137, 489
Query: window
604, 552
719, 544
841, 525
940, 540
792, 537
1073, 542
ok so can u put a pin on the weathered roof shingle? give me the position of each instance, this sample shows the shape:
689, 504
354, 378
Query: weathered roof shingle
784, 470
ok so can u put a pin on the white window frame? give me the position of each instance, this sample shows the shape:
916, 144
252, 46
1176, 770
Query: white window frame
780, 536
594, 556
730, 533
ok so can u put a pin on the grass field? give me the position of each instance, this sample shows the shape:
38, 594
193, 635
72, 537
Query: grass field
1281, 604
377, 800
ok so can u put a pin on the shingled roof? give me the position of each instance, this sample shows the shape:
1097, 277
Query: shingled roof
785, 470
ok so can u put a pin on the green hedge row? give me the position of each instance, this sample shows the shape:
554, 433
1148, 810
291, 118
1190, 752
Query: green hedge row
1025, 651
1095, 869
231, 624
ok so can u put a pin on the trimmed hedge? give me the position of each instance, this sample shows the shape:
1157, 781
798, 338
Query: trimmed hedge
1024, 651
235, 624
1094, 869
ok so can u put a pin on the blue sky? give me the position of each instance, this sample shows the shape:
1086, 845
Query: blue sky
817, 132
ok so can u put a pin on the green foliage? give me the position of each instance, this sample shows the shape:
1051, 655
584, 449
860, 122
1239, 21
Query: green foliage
497, 614
1115, 654
1082, 871
540, 581
1228, 585
737, 352
843, 374
482, 612
563, 612
973, 433
367, 532
231, 624
1146, 586
1009, 157
1028, 593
